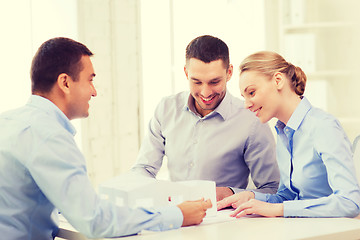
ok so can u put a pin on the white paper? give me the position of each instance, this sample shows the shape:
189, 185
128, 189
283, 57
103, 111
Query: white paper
134, 190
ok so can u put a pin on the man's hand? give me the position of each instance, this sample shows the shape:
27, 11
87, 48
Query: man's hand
194, 211
223, 192
235, 200
258, 207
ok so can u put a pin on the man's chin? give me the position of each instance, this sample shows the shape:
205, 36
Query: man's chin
85, 115
208, 107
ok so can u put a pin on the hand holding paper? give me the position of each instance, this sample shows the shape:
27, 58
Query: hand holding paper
194, 211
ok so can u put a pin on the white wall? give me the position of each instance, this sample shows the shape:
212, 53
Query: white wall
169, 25
24, 25
111, 30
16, 53
111, 134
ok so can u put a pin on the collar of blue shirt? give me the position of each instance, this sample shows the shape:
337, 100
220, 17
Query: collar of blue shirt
297, 117
50, 108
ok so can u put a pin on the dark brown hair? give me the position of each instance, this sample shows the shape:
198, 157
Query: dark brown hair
207, 49
56, 56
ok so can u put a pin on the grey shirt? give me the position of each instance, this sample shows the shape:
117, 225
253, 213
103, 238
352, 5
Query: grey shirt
225, 146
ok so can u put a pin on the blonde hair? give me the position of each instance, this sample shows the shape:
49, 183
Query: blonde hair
269, 63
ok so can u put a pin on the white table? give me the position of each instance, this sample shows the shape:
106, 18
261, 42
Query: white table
255, 228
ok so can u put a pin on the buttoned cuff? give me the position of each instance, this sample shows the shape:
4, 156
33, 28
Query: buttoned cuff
172, 217
260, 196
297, 208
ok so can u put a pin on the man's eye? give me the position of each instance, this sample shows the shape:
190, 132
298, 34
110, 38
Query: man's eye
252, 93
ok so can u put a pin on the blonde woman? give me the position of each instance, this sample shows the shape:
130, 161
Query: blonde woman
317, 177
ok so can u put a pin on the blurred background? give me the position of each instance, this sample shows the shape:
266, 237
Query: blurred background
139, 48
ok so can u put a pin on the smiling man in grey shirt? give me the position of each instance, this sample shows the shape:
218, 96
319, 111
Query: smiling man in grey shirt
207, 133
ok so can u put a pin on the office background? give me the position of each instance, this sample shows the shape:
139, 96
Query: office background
139, 48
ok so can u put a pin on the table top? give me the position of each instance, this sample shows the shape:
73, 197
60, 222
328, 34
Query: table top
264, 228
256, 228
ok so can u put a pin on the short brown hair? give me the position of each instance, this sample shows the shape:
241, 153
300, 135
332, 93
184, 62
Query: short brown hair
56, 56
207, 49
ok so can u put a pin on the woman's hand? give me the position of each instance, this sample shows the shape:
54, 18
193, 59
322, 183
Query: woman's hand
254, 206
235, 200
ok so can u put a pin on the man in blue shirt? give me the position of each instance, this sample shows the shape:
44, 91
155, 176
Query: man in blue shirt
207, 133
41, 167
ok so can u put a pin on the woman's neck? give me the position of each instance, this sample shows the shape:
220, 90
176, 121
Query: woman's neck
289, 105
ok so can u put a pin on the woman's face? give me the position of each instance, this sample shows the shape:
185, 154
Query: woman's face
260, 93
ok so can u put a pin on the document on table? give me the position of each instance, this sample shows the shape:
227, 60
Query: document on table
221, 216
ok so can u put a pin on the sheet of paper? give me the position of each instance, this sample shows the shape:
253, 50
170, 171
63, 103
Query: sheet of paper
221, 216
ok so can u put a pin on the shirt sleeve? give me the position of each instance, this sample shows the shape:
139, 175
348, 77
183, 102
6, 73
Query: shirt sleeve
152, 150
260, 157
283, 194
334, 148
58, 168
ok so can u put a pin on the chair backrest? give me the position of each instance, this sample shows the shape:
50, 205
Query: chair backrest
356, 151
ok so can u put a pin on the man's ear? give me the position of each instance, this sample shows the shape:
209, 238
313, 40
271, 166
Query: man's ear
186, 72
229, 72
279, 79
63, 82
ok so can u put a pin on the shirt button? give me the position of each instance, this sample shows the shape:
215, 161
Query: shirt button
191, 164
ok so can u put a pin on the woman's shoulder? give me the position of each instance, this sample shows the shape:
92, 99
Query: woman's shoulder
319, 116
322, 123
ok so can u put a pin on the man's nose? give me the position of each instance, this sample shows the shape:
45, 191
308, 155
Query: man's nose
206, 91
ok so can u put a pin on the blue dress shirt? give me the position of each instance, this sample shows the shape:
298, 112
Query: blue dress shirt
41, 168
316, 166
224, 146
